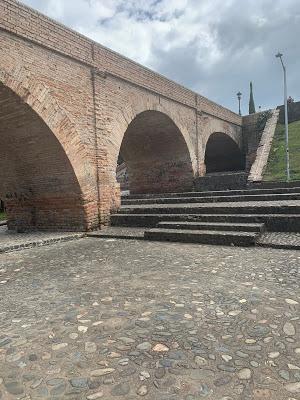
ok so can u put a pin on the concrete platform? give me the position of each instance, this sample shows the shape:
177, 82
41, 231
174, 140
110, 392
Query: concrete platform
228, 238
243, 207
273, 222
229, 198
213, 226
257, 191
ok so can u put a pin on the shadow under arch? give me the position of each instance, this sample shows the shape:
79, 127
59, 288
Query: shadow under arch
223, 154
37, 179
156, 155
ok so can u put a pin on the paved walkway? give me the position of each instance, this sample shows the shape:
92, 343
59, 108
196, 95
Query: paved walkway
113, 319
11, 241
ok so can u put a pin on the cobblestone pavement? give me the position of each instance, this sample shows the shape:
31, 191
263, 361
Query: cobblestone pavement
280, 239
112, 319
10, 241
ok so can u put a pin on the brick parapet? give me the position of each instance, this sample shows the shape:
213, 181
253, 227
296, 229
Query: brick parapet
34, 26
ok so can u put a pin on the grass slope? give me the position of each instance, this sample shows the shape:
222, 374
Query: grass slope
276, 167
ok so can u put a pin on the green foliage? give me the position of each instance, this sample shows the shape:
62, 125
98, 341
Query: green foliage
262, 120
251, 101
2, 216
276, 168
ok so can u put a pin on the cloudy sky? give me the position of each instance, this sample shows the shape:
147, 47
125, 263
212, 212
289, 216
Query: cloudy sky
214, 47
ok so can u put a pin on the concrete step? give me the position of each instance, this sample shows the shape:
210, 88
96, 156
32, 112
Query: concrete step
214, 199
273, 222
203, 237
118, 233
284, 207
212, 226
258, 191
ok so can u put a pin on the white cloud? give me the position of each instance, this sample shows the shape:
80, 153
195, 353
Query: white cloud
215, 47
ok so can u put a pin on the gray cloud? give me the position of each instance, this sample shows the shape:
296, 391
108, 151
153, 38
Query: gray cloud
213, 47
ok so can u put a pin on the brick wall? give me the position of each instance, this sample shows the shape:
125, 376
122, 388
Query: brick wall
87, 96
38, 183
28, 23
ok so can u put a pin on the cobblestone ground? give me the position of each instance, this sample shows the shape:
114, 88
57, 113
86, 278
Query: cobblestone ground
284, 239
10, 240
112, 319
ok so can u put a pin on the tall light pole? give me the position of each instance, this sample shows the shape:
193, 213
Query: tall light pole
286, 121
239, 96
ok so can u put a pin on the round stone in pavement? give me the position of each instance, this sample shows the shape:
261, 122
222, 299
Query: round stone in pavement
122, 389
15, 388
79, 382
95, 396
58, 390
159, 373
258, 331
223, 380
145, 346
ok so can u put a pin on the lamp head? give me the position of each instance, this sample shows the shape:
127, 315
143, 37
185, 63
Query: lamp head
279, 55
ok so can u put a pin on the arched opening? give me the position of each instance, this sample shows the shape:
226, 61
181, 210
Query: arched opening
223, 154
37, 182
156, 155
122, 175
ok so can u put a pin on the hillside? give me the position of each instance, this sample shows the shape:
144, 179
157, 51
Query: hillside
276, 167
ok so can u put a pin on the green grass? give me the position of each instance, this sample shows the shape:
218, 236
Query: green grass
276, 168
2, 216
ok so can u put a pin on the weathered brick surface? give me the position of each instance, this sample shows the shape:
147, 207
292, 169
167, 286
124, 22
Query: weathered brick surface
251, 138
38, 183
88, 97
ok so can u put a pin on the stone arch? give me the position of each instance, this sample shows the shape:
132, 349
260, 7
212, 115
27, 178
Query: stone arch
56, 200
222, 153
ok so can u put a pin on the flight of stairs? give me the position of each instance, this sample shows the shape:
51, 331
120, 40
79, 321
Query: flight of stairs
232, 217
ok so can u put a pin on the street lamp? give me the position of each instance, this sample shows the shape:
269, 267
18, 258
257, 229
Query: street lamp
239, 96
279, 55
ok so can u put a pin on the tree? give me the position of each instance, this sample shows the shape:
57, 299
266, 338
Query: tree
251, 101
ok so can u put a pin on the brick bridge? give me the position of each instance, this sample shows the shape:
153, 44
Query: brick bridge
69, 107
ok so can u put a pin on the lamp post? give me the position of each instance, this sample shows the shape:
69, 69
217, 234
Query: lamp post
239, 96
286, 122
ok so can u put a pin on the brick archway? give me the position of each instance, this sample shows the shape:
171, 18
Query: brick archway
223, 154
41, 176
156, 154
113, 132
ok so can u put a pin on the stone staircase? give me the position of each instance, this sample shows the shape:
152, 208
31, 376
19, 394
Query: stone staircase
232, 217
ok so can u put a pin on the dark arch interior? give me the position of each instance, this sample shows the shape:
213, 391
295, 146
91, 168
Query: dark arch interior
223, 154
37, 182
156, 155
